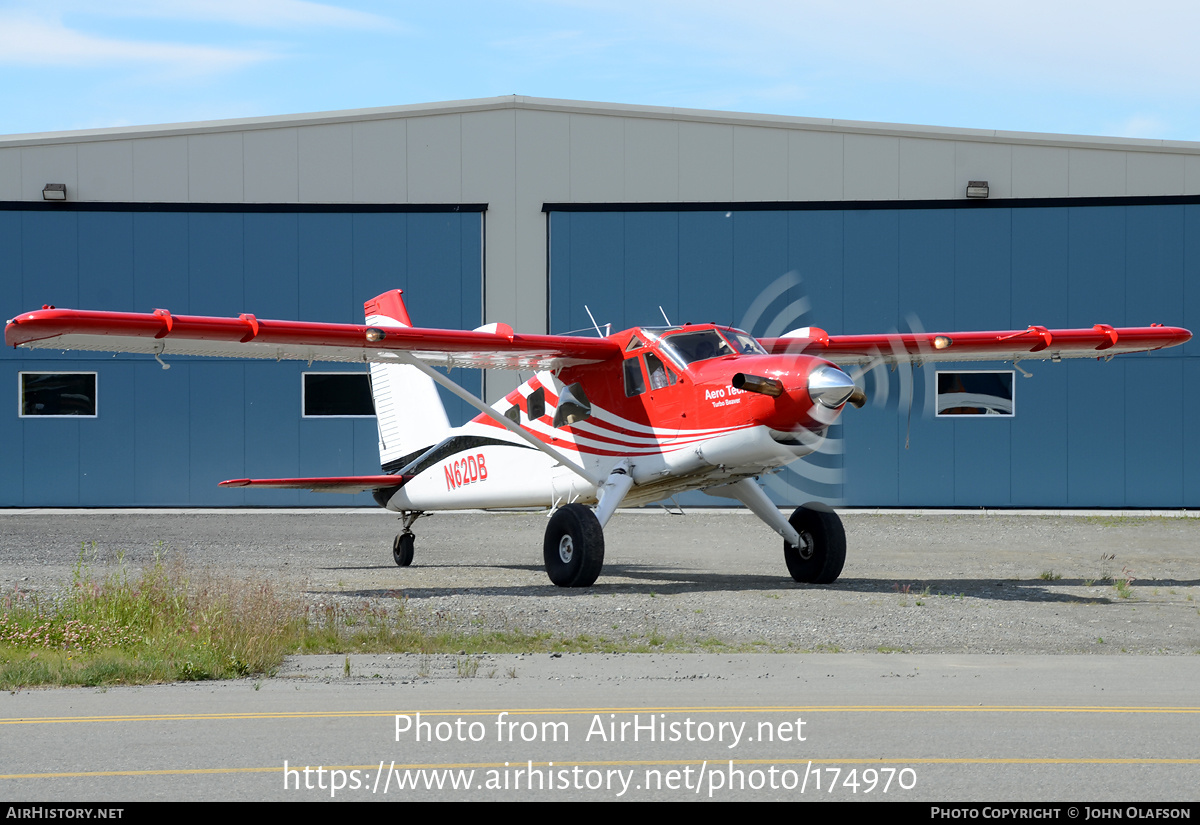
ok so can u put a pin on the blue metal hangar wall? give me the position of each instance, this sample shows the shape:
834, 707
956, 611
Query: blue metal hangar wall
525, 210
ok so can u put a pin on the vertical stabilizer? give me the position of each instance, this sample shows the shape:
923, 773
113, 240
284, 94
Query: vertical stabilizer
407, 406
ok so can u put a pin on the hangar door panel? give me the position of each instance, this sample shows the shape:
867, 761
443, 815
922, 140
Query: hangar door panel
167, 437
1078, 438
722, 267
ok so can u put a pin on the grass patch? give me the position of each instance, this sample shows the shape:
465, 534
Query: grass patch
1123, 584
163, 624
167, 623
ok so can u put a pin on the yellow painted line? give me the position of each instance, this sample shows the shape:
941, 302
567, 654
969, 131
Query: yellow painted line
183, 717
179, 772
637, 763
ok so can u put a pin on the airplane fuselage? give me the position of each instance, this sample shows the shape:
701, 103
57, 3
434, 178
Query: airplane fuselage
671, 409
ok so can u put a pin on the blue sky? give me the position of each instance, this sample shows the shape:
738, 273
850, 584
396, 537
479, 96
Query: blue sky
1097, 67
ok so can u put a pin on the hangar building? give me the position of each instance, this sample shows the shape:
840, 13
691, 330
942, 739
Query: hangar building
526, 210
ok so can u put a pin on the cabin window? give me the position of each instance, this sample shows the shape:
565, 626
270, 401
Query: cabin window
975, 393
535, 404
513, 414
336, 395
57, 394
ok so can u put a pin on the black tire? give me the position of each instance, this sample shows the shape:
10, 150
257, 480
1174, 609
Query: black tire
574, 547
822, 550
403, 549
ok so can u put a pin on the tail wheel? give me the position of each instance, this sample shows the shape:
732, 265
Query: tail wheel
574, 547
822, 551
403, 549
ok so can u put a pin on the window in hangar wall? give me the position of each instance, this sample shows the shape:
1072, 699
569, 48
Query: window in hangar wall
57, 394
864, 268
167, 437
337, 395
976, 392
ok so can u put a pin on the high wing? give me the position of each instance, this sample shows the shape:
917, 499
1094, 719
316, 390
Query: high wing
1035, 342
161, 333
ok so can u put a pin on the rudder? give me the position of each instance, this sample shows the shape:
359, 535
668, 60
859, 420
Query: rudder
408, 409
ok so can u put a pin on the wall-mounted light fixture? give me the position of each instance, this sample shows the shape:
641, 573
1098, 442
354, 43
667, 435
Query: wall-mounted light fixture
54, 192
977, 189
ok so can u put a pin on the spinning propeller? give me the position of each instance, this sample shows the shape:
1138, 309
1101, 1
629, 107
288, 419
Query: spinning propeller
884, 378
782, 306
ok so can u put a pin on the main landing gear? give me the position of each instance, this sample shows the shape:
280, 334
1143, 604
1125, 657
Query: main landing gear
814, 543
574, 545
819, 556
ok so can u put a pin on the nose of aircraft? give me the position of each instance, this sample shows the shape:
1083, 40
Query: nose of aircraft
805, 392
829, 386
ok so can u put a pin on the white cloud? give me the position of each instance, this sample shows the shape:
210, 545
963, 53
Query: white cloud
270, 14
29, 41
1098, 46
561, 46
1141, 126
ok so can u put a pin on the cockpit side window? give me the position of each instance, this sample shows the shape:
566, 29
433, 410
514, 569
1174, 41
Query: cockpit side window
635, 383
660, 375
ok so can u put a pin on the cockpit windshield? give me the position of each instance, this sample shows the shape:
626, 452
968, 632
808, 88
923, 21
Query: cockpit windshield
688, 347
701, 345
743, 343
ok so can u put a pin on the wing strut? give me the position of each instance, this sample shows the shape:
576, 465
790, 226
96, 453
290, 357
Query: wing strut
515, 429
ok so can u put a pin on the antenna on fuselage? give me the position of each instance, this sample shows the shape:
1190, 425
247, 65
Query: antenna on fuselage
664, 313
594, 324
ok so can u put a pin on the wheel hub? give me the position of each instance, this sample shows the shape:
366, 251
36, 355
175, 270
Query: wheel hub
806, 546
566, 549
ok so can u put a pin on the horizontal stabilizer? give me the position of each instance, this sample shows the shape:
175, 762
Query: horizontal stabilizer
332, 484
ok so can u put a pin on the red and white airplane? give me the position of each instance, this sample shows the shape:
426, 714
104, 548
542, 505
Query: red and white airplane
629, 418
